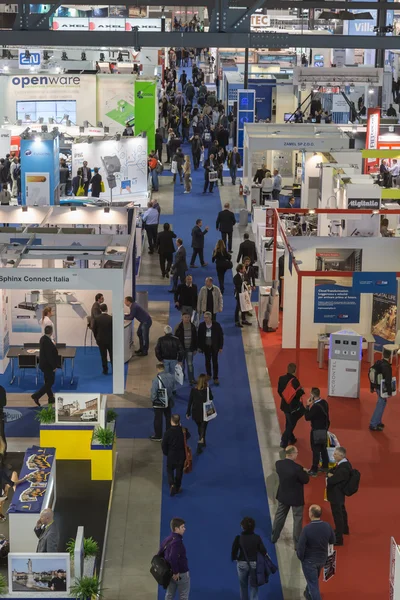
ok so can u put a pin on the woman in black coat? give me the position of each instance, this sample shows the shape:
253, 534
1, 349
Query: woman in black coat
222, 260
198, 396
96, 183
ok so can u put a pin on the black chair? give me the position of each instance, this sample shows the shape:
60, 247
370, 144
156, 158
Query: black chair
27, 362
31, 344
59, 346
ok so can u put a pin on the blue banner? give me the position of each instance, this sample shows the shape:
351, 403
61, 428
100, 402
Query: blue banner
375, 283
29, 495
335, 303
40, 171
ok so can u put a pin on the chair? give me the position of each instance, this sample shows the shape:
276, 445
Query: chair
61, 364
61, 345
27, 362
31, 344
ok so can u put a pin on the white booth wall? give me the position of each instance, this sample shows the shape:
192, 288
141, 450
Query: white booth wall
377, 254
286, 101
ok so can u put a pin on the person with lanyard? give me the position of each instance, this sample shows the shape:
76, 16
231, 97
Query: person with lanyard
165, 381
45, 320
186, 333
86, 176
238, 282
210, 342
145, 322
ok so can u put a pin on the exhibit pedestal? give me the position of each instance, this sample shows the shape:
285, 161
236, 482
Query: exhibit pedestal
103, 460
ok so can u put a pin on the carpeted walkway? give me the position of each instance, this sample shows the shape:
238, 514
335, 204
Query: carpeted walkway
227, 482
363, 562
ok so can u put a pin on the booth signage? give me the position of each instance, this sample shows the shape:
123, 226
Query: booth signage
375, 283
104, 24
364, 203
373, 126
335, 303
145, 108
318, 144
259, 22
32, 59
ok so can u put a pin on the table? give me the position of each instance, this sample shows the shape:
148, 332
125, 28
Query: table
323, 341
15, 351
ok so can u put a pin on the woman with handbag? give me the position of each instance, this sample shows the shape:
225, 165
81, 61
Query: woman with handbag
199, 395
223, 262
245, 548
77, 184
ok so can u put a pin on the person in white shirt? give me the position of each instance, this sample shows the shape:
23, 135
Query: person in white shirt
395, 172
45, 320
267, 186
277, 185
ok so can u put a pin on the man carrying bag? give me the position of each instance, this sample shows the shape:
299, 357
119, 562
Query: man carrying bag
162, 388
170, 566
290, 392
317, 412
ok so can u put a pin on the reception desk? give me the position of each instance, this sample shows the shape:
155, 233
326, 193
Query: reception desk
128, 340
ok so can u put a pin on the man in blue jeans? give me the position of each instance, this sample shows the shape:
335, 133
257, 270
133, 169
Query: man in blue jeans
175, 554
169, 351
145, 322
312, 550
383, 369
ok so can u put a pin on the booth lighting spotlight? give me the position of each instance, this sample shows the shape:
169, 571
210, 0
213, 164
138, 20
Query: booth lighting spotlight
371, 91
44, 129
46, 55
32, 69
303, 87
64, 56
391, 129
106, 209
68, 123
86, 124
311, 211
27, 54
90, 139
73, 208
83, 55
117, 137
102, 57
38, 138
58, 69
354, 130
28, 118
6, 68
40, 120
375, 212
24, 209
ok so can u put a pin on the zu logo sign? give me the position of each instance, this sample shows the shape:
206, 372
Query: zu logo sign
32, 60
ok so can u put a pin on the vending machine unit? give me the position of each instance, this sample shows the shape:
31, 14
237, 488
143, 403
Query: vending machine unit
345, 353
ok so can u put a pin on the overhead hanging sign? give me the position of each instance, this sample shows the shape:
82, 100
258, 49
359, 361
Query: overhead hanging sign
259, 22
373, 126
364, 203
104, 24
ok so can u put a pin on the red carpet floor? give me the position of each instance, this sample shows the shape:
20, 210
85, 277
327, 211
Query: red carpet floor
374, 512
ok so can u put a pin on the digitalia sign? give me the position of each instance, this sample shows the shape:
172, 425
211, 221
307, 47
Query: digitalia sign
364, 203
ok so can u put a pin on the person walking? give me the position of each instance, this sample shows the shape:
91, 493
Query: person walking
186, 296
179, 267
150, 219
317, 412
174, 552
103, 334
336, 481
145, 322
239, 285
234, 163
64, 175
245, 549
312, 550
290, 393
169, 351
166, 248
152, 163
247, 248
159, 141
383, 370
199, 395
173, 447
96, 183
179, 158
210, 166
164, 381
187, 171
210, 299
86, 176
225, 223
198, 243
186, 333
290, 495
210, 340
223, 263
48, 364
197, 149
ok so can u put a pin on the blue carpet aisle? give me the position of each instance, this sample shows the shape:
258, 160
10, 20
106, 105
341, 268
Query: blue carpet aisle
227, 482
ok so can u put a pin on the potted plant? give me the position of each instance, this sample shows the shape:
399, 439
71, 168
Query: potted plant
46, 416
3, 586
86, 588
111, 415
104, 436
90, 551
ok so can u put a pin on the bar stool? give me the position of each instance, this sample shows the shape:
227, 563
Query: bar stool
394, 351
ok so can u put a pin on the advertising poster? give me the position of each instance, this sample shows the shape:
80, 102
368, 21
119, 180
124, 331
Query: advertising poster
116, 101
5, 336
122, 164
335, 301
384, 319
25, 312
145, 109
5, 142
77, 408
346, 259
37, 189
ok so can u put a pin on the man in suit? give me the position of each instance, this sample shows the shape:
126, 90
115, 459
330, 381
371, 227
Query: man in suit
238, 283
166, 248
290, 392
317, 412
179, 267
225, 222
210, 339
186, 296
86, 176
173, 447
48, 363
47, 532
292, 479
337, 479
145, 322
95, 310
198, 243
247, 248
102, 331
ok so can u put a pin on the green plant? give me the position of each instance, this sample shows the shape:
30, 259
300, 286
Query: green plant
104, 436
46, 416
86, 588
111, 415
3, 586
90, 547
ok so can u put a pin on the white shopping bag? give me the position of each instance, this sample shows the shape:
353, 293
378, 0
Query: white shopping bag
174, 167
195, 318
179, 374
202, 158
245, 301
213, 176
161, 400
209, 410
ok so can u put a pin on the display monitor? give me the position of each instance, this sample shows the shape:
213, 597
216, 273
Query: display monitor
30, 111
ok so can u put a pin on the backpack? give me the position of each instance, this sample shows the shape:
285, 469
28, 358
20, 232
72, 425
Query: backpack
161, 569
353, 483
375, 375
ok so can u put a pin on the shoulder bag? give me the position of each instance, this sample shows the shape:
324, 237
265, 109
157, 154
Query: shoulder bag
161, 569
188, 464
320, 436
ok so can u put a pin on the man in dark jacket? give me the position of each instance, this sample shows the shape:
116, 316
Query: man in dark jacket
260, 174
179, 267
3, 174
247, 248
317, 412
158, 141
186, 296
169, 350
166, 248
186, 333
210, 166
102, 331
292, 479
198, 243
225, 223
179, 158
383, 369
197, 147
173, 447
95, 311
290, 392
338, 477
174, 551
48, 363
312, 550
234, 163
238, 281
210, 340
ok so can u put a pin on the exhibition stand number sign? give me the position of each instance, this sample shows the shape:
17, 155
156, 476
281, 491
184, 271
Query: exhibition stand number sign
30, 494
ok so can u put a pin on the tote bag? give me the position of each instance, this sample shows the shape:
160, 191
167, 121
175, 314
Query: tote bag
174, 167
81, 191
161, 400
244, 299
209, 410
179, 374
213, 176
102, 187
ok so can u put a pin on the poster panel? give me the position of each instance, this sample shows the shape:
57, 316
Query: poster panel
344, 259
115, 100
335, 301
145, 109
384, 319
